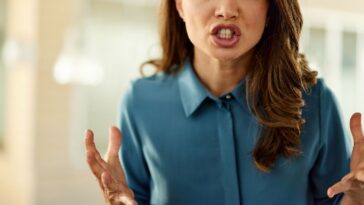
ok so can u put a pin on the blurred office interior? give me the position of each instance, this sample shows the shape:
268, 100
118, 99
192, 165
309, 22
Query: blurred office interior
65, 64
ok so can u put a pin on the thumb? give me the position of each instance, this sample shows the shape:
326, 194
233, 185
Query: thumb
114, 142
356, 129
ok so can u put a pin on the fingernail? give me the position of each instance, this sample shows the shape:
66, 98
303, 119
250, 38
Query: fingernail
328, 193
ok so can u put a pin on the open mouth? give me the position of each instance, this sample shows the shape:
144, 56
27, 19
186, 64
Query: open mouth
225, 33
226, 36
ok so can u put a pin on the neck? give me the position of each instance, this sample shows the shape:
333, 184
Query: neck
220, 77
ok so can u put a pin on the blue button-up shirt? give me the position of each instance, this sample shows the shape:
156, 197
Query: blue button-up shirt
182, 145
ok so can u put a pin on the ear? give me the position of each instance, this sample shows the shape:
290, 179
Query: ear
179, 8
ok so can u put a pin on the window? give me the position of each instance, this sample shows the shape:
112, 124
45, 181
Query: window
349, 70
334, 44
316, 48
349, 51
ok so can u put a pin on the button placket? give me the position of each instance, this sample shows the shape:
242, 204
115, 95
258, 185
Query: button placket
228, 152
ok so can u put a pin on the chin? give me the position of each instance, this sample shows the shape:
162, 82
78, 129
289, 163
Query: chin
226, 55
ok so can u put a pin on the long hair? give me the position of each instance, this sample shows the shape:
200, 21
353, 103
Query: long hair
275, 82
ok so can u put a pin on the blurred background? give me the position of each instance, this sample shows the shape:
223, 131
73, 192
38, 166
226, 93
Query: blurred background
65, 64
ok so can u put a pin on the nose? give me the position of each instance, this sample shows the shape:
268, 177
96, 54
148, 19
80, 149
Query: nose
227, 9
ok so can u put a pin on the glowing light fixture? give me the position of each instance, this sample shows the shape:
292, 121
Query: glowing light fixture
74, 65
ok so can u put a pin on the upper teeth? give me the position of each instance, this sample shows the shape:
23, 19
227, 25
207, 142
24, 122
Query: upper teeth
225, 33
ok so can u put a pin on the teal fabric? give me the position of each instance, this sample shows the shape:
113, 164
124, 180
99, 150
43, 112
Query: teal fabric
181, 145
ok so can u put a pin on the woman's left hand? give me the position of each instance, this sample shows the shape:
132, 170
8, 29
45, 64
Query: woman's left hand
352, 185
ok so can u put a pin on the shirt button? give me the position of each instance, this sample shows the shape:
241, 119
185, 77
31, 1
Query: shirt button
228, 97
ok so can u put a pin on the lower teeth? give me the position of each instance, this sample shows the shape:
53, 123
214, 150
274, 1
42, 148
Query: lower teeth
225, 37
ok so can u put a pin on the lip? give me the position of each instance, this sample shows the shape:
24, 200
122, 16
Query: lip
225, 43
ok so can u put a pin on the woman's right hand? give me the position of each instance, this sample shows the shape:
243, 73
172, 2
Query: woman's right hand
108, 171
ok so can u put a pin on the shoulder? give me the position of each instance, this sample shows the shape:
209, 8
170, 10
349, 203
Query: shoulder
322, 107
320, 93
146, 90
150, 83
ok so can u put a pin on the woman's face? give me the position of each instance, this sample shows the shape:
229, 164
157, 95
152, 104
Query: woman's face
224, 29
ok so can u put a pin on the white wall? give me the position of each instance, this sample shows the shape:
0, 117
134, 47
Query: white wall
2, 71
44, 159
352, 6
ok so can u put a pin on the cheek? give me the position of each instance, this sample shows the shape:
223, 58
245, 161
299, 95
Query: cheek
196, 28
192, 30
255, 22
197, 14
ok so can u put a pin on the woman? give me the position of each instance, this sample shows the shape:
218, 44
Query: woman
234, 115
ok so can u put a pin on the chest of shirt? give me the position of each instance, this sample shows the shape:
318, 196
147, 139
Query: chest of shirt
215, 139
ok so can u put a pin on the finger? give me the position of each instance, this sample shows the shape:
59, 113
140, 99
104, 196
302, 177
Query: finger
101, 162
342, 186
338, 188
94, 159
91, 147
89, 141
94, 164
360, 176
128, 200
112, 161
356, 129
114, 142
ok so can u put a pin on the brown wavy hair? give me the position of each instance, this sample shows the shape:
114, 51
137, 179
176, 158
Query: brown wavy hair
275, 83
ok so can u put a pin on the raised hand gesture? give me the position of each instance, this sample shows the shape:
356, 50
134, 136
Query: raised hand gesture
353, 183
108, 171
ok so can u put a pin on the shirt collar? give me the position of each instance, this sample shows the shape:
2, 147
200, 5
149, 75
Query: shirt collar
193, 92
239, 94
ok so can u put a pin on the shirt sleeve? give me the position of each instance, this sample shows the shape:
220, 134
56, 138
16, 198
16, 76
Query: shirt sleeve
333, 160
132, 158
